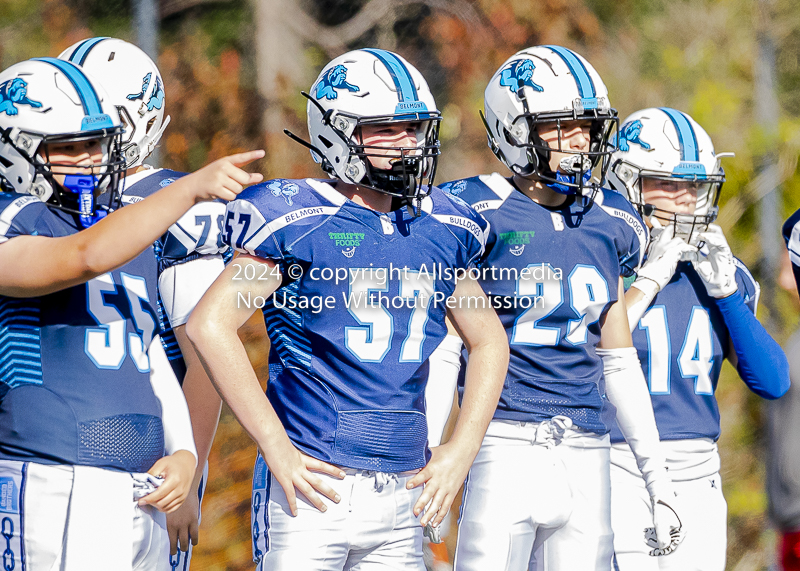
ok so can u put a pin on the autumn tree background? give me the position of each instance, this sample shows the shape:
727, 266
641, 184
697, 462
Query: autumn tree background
233, 70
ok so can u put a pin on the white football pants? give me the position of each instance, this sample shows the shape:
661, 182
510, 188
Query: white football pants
699, 504
78, 518
372, 528
538, 488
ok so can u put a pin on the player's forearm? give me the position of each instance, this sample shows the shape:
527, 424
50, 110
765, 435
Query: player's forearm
487, 367
224, 357
204, 408
615, 333
212, 329
135, 227
202, 399
626, 389
110, 243
638, 298
759, 359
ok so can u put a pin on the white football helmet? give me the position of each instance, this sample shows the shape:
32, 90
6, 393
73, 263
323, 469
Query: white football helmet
44, 101
371, 86
135, 86
666, 144
548, 85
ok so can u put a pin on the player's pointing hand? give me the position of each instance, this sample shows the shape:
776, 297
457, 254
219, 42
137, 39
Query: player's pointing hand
222, 179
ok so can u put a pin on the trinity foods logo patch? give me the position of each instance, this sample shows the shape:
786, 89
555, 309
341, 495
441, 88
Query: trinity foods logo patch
346, 238
516, 241
517, 238
349, 240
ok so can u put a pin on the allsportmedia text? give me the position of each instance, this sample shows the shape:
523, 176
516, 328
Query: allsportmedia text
380, 276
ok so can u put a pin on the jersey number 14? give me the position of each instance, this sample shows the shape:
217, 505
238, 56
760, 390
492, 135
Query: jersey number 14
695, 359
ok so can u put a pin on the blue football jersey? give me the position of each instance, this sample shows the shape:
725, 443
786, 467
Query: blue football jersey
551, 274
74, 372
791, 235
348, 356
682, 341
197, 233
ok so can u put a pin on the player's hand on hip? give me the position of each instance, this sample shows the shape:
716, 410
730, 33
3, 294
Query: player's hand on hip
443, 477
667, 532
177, 470
294, 471
663, 255
223, 178
716, 268
183, 524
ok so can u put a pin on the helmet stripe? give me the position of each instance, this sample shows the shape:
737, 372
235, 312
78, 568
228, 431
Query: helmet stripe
686, 135
406, 91
582, 78
86, 92
82, 51
92, 108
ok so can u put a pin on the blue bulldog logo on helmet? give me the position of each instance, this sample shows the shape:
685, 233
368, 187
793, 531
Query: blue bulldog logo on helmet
336, 78
156, 100
15, 92
518, 74
631, 133
285, 189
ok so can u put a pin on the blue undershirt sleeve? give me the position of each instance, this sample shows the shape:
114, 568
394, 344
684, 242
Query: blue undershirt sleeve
762, 363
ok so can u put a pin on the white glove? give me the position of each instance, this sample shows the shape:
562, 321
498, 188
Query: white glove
716, 268
663, 255
667, 532
665, 251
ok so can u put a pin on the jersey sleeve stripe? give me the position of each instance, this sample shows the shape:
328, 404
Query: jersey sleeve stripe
465, 223
327, 191
631, 221
184, 237
265, 230
11, 211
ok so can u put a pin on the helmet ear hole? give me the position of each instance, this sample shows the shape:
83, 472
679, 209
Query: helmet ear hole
150, 125
325, 142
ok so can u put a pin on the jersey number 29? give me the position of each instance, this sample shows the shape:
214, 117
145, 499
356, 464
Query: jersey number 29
588, 295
